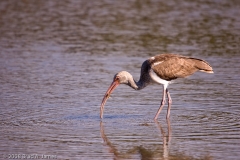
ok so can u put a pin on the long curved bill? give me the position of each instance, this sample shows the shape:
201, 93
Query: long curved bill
114, 84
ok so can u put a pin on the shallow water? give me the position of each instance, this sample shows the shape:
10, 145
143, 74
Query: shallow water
57, 59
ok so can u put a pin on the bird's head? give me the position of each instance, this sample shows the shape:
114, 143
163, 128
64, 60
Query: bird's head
122, 77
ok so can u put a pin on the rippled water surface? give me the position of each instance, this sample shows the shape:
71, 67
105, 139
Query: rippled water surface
57, 59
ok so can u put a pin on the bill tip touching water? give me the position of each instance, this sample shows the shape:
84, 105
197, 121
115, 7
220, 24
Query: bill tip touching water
159, 69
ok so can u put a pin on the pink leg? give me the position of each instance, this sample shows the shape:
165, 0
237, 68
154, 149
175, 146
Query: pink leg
162, 103
169, 104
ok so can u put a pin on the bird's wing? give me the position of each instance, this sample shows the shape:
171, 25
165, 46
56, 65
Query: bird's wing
169, 68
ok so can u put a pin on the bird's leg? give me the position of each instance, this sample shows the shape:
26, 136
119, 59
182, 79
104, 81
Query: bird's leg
169, 104
162, 103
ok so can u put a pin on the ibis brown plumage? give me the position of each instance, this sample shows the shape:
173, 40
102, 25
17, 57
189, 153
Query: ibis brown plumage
160, 69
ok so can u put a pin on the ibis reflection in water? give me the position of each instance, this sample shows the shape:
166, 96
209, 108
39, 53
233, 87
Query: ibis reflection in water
143, 152
159, 69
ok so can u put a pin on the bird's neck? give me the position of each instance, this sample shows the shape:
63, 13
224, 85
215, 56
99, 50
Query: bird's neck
142, 83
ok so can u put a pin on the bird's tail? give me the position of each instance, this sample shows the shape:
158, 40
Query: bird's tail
202, 65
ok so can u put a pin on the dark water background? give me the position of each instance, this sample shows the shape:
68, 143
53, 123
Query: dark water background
57, 59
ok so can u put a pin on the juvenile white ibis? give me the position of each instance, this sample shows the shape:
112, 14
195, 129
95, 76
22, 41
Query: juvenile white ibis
160, 69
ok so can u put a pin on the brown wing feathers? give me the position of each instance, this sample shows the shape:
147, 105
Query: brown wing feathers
171, 66
202, 65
